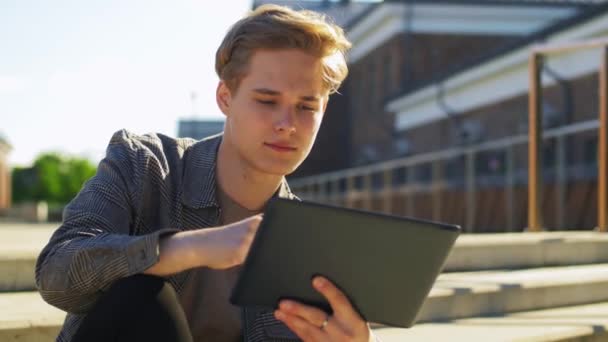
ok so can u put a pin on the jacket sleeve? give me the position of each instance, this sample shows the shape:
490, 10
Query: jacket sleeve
93, 247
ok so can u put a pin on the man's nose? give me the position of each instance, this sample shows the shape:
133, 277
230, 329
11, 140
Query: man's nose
286, 121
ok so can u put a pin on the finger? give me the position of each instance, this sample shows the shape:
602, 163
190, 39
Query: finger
337, 299
335, 330
313, 315
299, 326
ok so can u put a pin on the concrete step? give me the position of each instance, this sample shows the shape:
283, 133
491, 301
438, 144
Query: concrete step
25, 317
20, 245
456, 295
527, 250
470, 294
575, 323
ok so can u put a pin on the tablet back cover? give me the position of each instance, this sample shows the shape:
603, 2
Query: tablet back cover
386, 265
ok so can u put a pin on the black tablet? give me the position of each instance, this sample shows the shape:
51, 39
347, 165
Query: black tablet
385, 264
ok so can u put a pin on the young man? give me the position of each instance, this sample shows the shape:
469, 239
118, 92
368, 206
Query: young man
151, 246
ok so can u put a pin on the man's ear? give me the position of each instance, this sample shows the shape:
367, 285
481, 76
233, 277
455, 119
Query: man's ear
223, 97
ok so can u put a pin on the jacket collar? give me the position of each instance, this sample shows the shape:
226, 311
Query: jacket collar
200, 179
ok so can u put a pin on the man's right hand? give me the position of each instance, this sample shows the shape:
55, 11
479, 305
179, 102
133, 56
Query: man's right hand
226, 246
219, 248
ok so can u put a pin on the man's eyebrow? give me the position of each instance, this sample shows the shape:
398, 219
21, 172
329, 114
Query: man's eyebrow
266, 91
310, 98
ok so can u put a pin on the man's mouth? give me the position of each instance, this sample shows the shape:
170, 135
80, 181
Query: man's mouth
280, 147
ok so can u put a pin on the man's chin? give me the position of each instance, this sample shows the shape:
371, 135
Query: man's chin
278, 169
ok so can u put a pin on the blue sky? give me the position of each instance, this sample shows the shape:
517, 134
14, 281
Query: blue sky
73, 72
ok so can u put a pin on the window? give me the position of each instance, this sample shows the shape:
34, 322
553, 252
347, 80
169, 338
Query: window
399, 176
378, 180
358, 183
590, 152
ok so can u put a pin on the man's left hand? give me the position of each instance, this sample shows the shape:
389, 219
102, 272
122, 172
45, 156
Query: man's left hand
313, 324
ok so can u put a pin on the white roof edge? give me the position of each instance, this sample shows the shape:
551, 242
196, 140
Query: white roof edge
388, 19
491, 73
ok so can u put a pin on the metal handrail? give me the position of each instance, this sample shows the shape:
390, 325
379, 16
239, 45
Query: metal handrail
340, 185
536, 59
439, 155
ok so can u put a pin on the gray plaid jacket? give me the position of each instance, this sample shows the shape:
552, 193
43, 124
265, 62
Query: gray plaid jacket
146, 186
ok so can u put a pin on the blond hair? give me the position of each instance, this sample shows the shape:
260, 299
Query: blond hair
278, 27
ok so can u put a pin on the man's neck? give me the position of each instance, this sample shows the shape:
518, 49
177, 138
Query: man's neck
248, 187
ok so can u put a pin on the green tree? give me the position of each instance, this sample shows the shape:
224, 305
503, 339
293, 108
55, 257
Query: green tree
54, 178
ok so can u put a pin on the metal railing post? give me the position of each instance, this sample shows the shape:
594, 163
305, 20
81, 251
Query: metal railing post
560, 181
602, 205
509, 191
387, 193
409, 192
471, 192
534, 144
367, 191
350, 185
436, 189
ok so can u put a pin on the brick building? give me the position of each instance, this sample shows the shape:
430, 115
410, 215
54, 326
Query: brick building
488, 98
5, 176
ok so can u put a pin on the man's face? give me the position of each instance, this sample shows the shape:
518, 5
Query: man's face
274, 116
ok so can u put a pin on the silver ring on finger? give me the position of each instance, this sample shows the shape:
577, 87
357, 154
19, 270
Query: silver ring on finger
325, 322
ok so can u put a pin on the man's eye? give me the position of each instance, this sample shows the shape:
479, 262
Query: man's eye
307, 108
266, 102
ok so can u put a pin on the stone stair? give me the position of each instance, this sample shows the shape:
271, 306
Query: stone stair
24, 316
543, 287
496, 287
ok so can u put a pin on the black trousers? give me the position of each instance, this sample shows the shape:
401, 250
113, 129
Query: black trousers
137, 308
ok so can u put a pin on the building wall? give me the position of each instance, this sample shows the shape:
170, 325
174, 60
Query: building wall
406, 62
392, 69
356, 129
510, 117
331, 149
